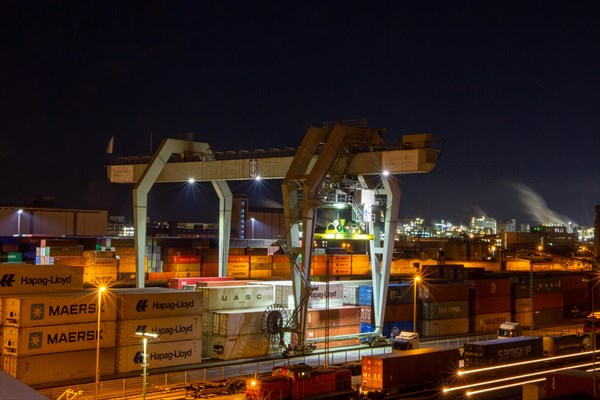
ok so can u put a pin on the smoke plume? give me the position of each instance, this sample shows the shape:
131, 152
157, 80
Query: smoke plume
537, 208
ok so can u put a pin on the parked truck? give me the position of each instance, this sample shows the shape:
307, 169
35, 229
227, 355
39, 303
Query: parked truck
509, 329
406, 341
503, 351
390, 373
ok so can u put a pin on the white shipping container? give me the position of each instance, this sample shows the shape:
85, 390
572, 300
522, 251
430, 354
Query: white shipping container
58, 367
57, 309
157, 303
20, 342
317, 299
238, 347
351, 295
230, 297
27, 278
238, 322
170, 329
159, 355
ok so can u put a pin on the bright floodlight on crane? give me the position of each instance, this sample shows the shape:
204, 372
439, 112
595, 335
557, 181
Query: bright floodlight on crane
191, 180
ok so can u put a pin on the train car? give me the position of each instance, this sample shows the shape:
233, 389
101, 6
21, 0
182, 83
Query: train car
390, 373
503, 351
302, 381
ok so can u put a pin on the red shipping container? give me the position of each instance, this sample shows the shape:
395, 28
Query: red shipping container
575, 282
447, 292
569, 382
491, 288
491, 305
575, 296
548, 301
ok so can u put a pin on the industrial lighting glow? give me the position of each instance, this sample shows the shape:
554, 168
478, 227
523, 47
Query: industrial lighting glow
257, 178
386, 172
191, 180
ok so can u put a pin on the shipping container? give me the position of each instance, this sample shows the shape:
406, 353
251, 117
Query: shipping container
178, 283
158, 355
170, 329
444, 309
351, 295
398, 312
572, 384
540, 302
27, 278
445, 327
503, 351
74, 365
575, 297
446, 292
346, 315
490, 305
490, 288
578, 282
237, 322
56, 309
232, 297
540, 317
483, 323
238, 347
398, 370
156, 303
400, 293
334, 294
540, 286
332, 331
20, 342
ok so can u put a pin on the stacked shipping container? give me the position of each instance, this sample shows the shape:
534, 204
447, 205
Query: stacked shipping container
444, 309
547, 301
490, 304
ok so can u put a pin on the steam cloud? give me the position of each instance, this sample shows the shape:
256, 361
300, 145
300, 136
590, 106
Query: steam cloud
537, 208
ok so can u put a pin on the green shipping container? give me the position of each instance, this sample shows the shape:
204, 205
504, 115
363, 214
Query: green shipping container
15, 257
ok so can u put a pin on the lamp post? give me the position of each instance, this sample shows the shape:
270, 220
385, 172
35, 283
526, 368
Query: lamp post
99, 310
417, 279
252, 221
142, 334
19, 212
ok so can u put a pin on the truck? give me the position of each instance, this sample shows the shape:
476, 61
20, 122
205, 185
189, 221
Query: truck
406, 341
509, 329
503, 351
559, 345
389, 373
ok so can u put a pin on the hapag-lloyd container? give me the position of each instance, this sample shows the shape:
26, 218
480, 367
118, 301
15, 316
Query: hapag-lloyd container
237, 322
159, 355
56, 309
156, 303
27, 278
56, 367
170, 329
232, 297
318, 298
20, 342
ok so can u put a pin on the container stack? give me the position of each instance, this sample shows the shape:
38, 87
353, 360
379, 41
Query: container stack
575, 296
183, 266
175, 315
399, 309
490, 304
361, 265
281, 267
260, 266
547, 299
64, 252
341, 322
238, 266
9, 252
444, 309
100, 267
232, 321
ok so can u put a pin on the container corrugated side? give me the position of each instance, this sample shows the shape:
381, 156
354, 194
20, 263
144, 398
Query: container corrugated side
58, 367
346, 315
157, 303
159, 355
230, 297
488, 322
170, 329
56, 309
444, 327
444, 309
238, 322
27, 278
22, 342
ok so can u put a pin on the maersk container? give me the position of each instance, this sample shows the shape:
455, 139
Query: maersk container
156, 303
27, 278
58, 367
230, 297
158, 355
488, 322
170, 329
56, 309
238, 347
503, 351
392, 372
238, 322
20, 342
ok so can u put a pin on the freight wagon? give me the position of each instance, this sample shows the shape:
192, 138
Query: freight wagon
390, 373
503, 351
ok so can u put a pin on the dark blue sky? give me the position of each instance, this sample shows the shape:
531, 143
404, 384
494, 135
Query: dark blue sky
513, 87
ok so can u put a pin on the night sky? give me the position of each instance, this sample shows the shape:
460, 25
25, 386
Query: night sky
513, 88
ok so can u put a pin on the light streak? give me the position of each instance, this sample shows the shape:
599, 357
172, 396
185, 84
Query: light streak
537, 360
512, 378
503, 387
